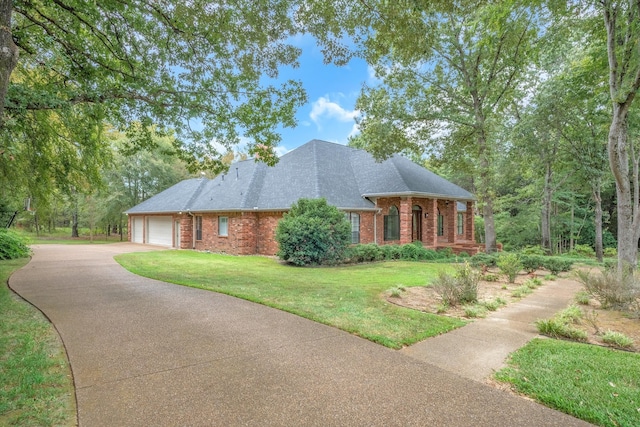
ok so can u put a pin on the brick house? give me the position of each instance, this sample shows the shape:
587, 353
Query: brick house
391, 202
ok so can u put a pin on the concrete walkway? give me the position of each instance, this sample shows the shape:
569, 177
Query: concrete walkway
148, 353
480, 348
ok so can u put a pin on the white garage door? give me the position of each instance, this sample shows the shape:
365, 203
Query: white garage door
160, 230
137, 232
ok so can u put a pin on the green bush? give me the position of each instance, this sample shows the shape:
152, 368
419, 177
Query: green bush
610, 252
533, 250
583, 251
483, 260
446, 253
510, 266
313, 233
531, 263
391, 252
364, 253
12, 246
556, 265
411, 252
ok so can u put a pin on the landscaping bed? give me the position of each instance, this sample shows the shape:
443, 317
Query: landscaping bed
595, 320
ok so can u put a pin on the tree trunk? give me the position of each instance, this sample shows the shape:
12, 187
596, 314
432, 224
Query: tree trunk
571, 225
8, 53
624, 83
619, 162
547, 196
597, 198
74, 223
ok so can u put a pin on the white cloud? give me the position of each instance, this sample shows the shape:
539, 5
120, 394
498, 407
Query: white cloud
354, 130
325, 108
281, 150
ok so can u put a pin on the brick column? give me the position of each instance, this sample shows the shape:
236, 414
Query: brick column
430, 233
470, 226
406, 218
453, 206
450, 221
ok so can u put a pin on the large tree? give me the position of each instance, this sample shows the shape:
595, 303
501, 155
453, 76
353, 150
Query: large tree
622, 22
205, 69
449, 72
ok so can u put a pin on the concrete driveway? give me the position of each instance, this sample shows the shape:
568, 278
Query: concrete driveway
149, 353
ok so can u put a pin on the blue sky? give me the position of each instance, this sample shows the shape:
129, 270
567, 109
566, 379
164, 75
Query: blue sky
331, 96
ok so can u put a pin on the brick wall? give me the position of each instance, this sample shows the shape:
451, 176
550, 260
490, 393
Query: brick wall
367, 231
266, 232
254, 232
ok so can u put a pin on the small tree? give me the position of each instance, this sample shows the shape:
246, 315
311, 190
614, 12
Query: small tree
313, 233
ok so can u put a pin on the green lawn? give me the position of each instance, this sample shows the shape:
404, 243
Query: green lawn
36, 388
62, 236
346, 297
596, 384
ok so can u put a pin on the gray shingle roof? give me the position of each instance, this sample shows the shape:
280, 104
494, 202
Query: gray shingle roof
343, 175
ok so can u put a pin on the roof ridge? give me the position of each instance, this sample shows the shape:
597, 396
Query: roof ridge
196, 193
397, 170
315, 167
257, 170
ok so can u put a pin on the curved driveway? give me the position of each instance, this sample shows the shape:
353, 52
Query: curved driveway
149, 353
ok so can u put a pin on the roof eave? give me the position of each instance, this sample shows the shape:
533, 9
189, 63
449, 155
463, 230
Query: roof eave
419, 194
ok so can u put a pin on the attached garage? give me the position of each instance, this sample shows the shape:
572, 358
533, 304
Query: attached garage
160, 230
137, 231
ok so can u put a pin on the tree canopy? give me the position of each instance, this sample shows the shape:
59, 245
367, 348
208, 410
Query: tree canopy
204, 69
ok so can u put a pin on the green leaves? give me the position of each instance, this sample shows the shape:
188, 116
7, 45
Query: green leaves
198, 68
313, 233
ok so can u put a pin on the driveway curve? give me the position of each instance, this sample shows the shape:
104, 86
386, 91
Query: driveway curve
149, 353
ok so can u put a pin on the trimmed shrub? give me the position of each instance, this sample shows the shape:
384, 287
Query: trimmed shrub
483, 260
364, 253
583, 251
531, 263
12, 246
391, 252
510, 266
533, 250
410, 252
556, 265
313, 233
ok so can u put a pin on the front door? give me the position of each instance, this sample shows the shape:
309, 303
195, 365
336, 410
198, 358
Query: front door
417, 224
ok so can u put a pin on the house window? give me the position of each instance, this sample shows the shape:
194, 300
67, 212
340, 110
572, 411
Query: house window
354, 219
198, 228
460, 223
223, 226
440, 224
392, 224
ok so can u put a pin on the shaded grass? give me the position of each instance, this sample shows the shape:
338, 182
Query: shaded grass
347, 297
62, 236
596, 384
35, 383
